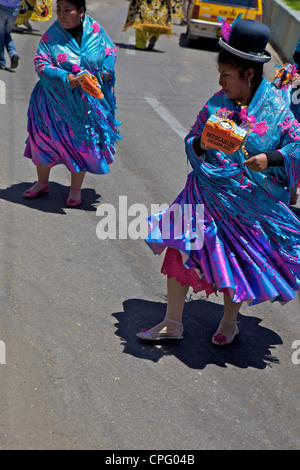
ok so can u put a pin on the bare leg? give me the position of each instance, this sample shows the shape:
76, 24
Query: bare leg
76, 183
43, 172
176, 299
228, 322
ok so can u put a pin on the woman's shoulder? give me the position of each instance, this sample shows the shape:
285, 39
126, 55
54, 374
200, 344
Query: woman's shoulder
273, 97
218, 96
89, 20
218, 100
53, 28
91, 25
51, 35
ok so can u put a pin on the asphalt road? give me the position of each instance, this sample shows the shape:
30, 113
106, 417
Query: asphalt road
75, 377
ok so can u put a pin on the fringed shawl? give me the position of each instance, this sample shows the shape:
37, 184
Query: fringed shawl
230, 188
57, 56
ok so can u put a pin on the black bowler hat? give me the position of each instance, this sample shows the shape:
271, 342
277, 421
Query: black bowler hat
248, 39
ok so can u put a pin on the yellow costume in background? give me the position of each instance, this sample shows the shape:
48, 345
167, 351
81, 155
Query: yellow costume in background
35, 10
177, 8
150, 18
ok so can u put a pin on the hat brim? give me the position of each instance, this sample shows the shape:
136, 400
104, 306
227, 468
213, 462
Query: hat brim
262, 58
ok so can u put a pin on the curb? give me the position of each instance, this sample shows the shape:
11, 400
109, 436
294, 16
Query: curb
284, 24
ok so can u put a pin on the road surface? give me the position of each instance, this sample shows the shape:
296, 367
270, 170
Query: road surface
74, 376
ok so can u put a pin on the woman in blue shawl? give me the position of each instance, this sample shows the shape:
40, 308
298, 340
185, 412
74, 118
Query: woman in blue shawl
66, 124
230, 229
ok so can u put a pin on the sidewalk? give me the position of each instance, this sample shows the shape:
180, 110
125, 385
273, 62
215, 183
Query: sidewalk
284, 24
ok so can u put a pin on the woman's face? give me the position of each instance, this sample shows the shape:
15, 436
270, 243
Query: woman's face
235, 87
68, 15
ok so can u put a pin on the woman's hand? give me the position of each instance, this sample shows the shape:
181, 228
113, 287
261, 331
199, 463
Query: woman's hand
204, 146
105, 77
73, 81
257, 163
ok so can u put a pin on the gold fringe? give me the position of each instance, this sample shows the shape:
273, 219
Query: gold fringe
35, 12
151, 16
177, 8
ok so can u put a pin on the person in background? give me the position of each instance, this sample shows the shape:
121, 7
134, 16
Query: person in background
186, 5
66, 124
33, 10
150, 18
9, 10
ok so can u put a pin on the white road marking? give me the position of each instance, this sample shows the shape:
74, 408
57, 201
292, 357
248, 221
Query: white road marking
167, 117
131, 42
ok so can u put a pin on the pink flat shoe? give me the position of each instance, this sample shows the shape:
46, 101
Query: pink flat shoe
150, 335
74, 202
32, 194
221, 340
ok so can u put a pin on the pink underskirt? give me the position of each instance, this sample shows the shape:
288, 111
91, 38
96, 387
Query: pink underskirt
173, 267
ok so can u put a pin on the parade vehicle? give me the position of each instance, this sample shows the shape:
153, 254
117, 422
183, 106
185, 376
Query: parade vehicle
204, 16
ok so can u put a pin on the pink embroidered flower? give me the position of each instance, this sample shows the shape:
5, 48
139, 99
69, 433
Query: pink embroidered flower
251, 119
243, 115
110, 50
75, 68
294, 130
96, 28
286, 124
260, 128
43, 57
62, 58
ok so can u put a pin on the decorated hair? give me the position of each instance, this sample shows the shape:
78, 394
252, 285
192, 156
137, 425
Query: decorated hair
227, 27
285, 76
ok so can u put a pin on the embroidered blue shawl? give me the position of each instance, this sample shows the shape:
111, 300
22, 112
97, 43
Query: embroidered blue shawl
275, 129
58, 55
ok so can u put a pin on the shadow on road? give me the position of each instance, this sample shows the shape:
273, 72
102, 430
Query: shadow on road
205, 44
54, 202
132, 47
252, 348
23, 30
